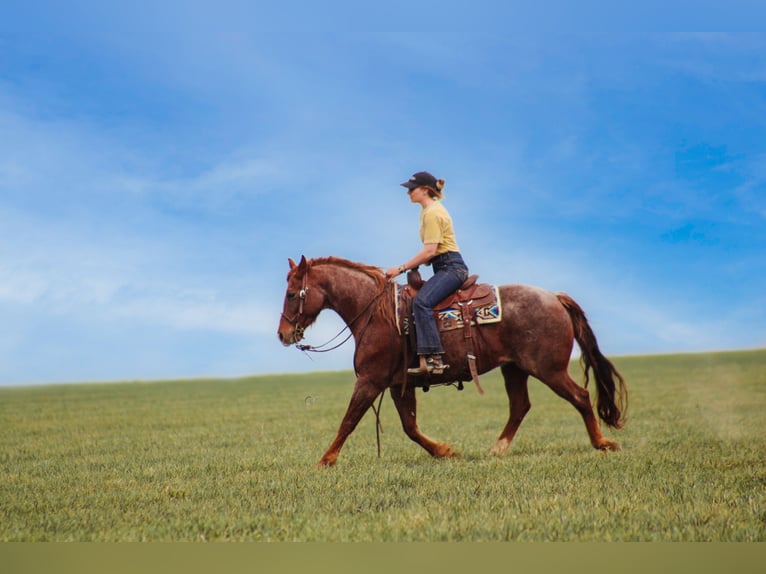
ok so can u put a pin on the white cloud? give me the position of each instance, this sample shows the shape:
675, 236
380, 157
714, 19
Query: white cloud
192, 312
132, 295
66, 272
20, 285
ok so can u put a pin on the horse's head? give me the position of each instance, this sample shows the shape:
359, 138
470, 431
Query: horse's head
303, 303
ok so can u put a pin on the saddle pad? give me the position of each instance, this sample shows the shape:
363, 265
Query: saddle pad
489, 310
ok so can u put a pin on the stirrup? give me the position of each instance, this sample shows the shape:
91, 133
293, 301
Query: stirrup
434, 366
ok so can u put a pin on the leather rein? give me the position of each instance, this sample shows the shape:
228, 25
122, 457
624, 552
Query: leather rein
300, 330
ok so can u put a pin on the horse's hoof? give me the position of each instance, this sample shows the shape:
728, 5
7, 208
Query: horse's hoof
608, 445
500, 448
325, 463
446, 451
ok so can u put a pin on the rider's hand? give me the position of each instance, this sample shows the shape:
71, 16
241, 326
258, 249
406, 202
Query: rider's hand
392, 272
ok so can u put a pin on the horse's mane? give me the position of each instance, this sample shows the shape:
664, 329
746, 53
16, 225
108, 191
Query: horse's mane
386, 305
369, 270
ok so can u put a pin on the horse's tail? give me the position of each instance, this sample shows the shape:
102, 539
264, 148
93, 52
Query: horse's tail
611, 391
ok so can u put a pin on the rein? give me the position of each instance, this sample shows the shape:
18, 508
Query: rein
320, 348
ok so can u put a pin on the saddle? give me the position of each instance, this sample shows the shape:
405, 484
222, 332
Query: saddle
480, 302
480, 293
471, 305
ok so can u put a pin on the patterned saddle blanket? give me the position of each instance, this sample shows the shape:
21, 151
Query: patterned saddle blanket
478, 303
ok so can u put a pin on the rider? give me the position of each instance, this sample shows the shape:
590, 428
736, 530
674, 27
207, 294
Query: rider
440, 250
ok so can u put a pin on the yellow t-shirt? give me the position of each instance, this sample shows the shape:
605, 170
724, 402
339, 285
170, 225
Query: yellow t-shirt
436, 227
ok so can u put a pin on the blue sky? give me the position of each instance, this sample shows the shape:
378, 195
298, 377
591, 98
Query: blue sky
160, 163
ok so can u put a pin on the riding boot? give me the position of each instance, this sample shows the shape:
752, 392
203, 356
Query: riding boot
421, 369
436, 365
429, 364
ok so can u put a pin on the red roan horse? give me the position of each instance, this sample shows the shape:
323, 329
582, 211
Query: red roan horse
535, 337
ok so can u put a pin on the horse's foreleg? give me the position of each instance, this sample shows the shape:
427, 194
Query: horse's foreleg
406, 405
518, 397
362, 398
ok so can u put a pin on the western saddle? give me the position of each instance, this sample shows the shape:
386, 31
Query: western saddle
466, 298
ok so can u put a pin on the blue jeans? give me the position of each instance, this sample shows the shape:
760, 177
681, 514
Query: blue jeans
449, 273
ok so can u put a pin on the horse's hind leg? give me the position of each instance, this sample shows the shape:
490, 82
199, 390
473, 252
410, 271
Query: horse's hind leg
563, 385
406, 405
518, 397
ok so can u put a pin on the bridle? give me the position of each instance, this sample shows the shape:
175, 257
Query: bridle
300, 330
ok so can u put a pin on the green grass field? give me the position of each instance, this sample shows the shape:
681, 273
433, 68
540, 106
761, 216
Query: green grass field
234, 460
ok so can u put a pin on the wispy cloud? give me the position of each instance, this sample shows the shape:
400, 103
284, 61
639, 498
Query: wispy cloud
63, 273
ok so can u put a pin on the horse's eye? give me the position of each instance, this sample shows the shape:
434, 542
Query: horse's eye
291, 295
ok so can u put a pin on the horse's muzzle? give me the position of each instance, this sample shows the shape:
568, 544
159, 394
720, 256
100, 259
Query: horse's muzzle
291, 336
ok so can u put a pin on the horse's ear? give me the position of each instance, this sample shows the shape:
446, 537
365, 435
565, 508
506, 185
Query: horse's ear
303, 262
292, 263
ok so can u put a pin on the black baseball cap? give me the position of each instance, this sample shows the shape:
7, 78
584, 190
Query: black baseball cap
421, 178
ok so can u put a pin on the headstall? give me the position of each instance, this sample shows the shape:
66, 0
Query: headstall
299, 330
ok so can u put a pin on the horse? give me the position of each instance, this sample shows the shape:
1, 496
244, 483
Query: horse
534, 338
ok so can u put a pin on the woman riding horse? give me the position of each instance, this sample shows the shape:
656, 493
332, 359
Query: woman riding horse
440, 250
